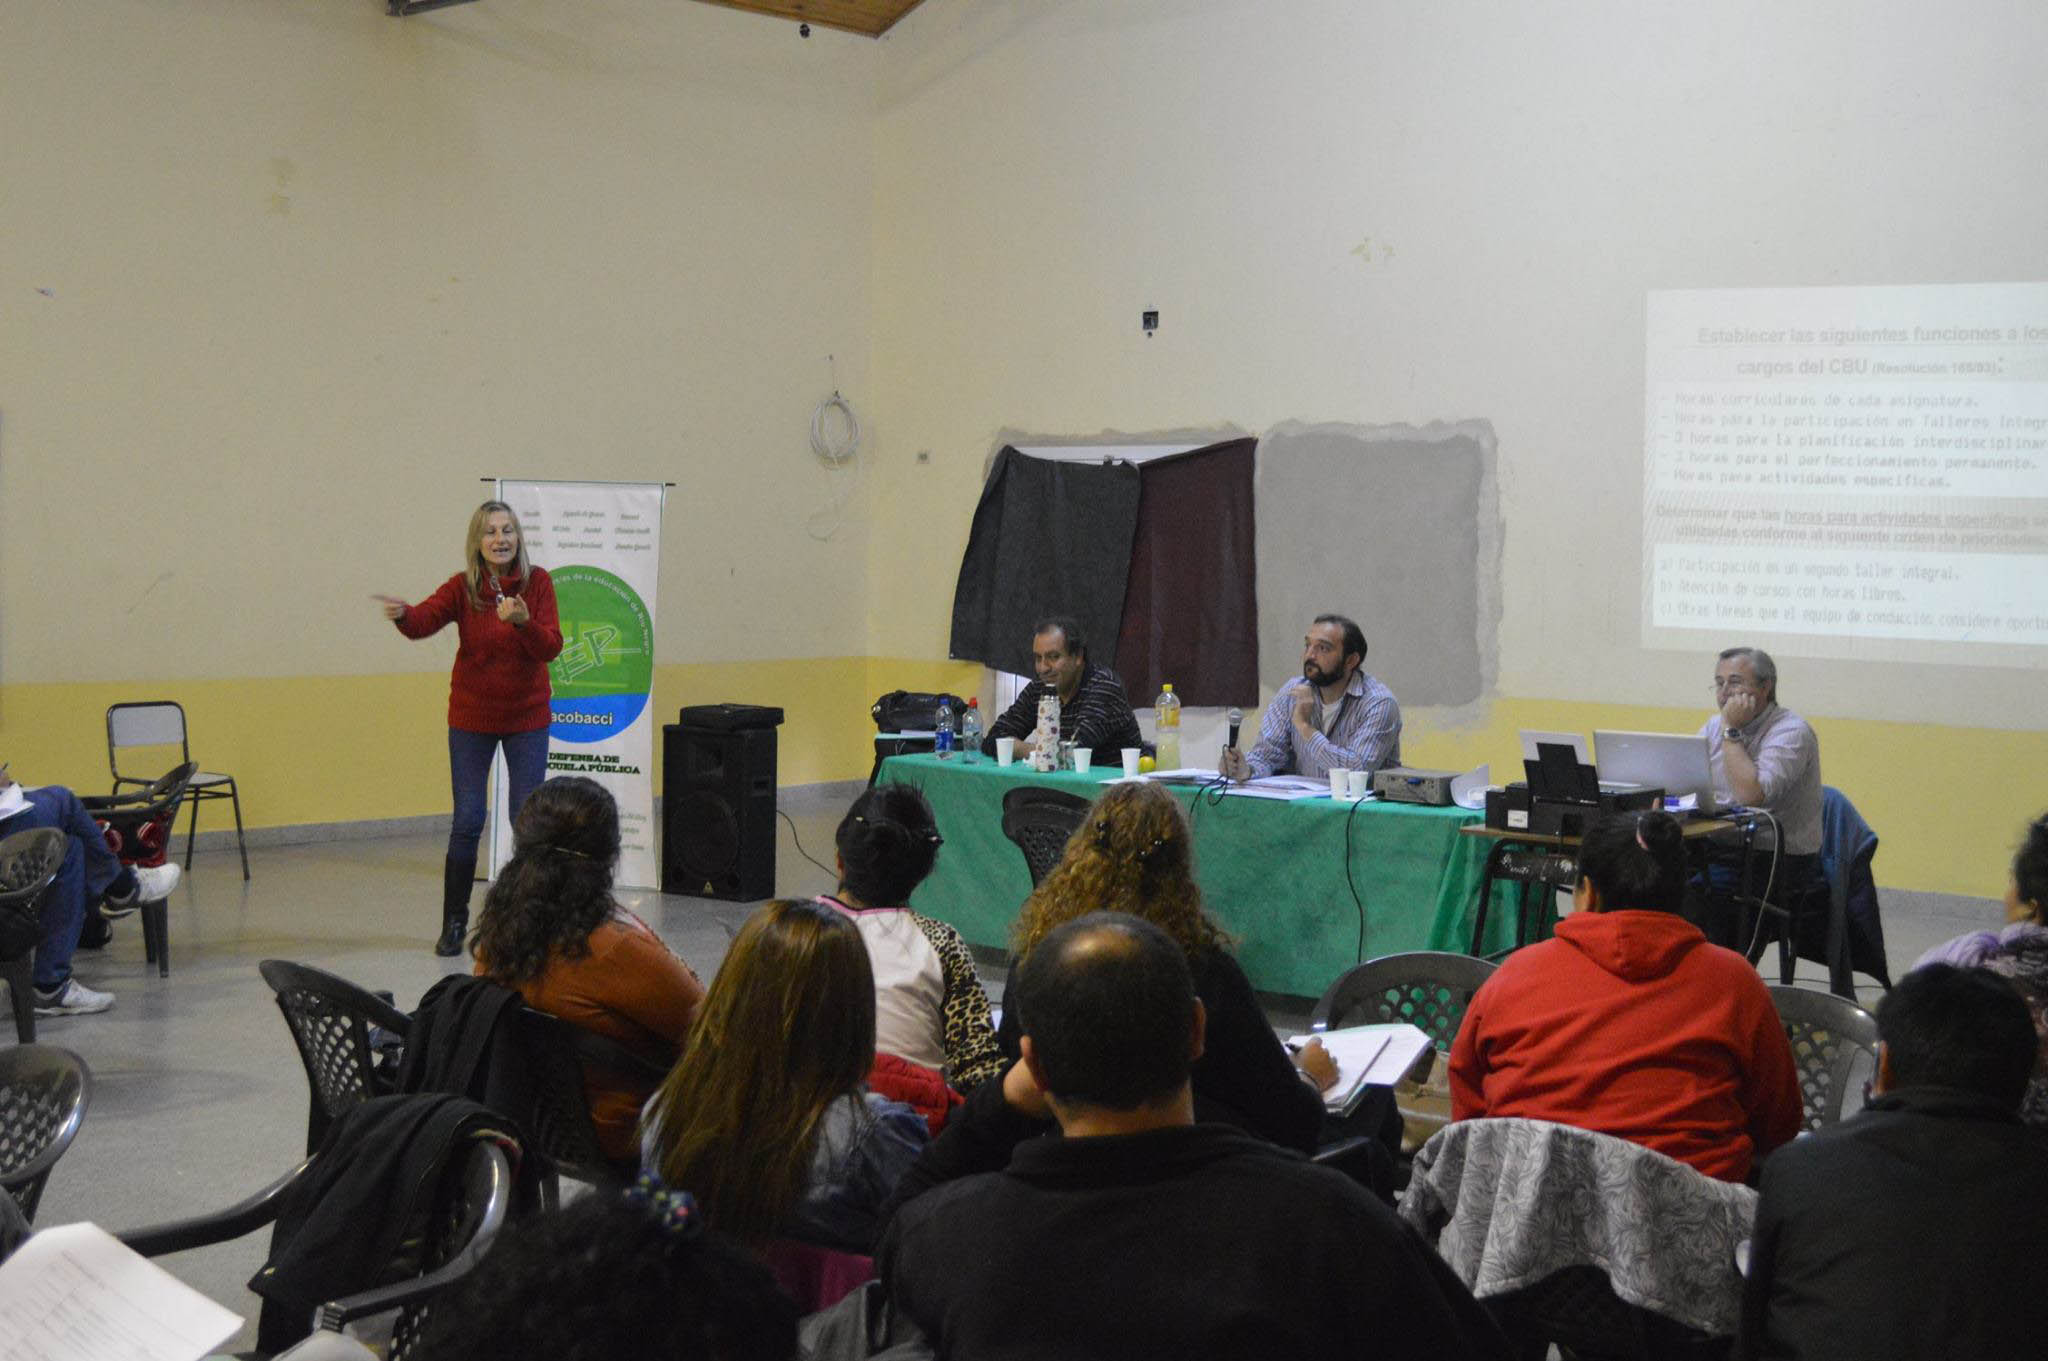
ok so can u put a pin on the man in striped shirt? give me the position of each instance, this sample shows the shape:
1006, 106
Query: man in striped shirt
1094, 710
1332, 717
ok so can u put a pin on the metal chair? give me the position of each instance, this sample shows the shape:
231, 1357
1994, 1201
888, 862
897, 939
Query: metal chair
558, 1126
1834, 1042
1040, 820
330, 1018
28, 862
161, 723
473, 1209
1429, 989
43, 1095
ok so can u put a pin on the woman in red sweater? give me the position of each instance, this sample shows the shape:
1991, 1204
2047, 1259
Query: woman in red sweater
503, 608
1629, 1023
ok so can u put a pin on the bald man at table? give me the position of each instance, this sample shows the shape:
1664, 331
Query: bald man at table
1094, 710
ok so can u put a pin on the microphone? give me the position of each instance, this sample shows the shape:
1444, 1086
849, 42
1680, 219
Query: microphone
1234, 717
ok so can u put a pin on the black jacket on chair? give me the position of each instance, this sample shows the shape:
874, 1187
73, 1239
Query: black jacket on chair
464, 1039
377, 1179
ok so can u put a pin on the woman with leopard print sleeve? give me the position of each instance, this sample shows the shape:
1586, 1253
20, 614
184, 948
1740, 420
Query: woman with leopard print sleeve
930, 1008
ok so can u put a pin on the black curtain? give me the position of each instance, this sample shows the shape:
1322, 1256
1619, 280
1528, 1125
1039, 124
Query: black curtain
1191, 613
1047, 538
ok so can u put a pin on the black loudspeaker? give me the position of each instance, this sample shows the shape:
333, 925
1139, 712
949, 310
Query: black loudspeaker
718, 812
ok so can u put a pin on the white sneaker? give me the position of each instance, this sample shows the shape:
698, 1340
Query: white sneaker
151, 883
73, 999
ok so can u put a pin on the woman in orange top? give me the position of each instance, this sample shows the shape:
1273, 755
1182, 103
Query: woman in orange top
551, 931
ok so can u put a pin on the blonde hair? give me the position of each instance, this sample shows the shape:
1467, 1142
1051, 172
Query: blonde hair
473, 564
1131, 855
787, 1029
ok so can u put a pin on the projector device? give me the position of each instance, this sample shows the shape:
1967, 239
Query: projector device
1401, 784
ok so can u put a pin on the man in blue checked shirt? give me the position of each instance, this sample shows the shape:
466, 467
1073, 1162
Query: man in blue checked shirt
1331, 717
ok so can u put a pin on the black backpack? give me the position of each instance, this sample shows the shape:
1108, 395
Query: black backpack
913, 710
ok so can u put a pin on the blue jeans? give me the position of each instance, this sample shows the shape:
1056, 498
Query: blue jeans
88, 872
469, 772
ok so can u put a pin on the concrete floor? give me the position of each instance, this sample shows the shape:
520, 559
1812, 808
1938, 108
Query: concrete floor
198, 1094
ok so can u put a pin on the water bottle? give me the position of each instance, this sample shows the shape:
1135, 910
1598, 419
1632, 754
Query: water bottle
970, 731
942, 735
1166, 722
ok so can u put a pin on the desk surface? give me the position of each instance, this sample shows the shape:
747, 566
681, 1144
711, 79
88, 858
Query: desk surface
1279, 875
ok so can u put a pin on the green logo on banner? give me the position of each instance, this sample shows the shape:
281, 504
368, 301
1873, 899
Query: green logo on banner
601, 680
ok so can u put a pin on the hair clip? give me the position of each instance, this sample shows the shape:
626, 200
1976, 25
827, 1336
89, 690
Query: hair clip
571, 850
674, 1212
1639, 834
1151, 850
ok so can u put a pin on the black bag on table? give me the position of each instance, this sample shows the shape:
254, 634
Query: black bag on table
912, 710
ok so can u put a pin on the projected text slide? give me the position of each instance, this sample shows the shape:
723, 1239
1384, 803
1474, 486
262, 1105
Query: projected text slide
1866, 468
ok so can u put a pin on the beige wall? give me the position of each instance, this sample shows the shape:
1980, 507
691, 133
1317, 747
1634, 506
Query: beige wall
1356, 211
311, 271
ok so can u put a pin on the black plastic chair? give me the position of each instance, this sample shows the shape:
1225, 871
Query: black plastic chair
558, 1127
138, 830
29, 860
1428, 989
1040, 820
161, 723
473, 1208
330, 1019
43, 1095
1834, 1042
1575, 1308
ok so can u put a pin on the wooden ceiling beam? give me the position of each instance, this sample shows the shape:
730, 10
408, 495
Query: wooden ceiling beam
870, 18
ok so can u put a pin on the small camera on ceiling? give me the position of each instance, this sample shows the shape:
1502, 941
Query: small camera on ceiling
803, 30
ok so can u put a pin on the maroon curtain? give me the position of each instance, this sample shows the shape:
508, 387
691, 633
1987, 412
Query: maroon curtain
1191, 613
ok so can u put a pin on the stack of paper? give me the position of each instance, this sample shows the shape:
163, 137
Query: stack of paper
77, 1293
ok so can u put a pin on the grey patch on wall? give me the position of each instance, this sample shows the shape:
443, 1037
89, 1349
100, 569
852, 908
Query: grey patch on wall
1397, 526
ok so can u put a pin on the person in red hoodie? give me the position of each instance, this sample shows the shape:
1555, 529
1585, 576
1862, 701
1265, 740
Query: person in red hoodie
1629, 1023
503, 609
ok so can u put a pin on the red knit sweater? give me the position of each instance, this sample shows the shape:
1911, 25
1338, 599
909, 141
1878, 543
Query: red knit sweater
500, 681
1631, 1024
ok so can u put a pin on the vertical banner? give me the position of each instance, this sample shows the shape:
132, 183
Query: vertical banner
601, 544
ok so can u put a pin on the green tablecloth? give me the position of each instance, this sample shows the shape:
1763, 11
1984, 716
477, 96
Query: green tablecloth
1272, 872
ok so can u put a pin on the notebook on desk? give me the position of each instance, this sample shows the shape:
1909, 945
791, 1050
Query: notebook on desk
1674, 762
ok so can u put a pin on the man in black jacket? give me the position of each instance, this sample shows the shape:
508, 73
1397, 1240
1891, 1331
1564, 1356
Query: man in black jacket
1915, 1228
1138, 1232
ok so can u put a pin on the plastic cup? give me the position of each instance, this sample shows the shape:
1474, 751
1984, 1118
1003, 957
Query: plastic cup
1339, 783
1360, 782
1131, 755
1006, 751
1084, 757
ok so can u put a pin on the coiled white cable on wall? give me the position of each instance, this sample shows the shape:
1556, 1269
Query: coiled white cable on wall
833, 455
842, 454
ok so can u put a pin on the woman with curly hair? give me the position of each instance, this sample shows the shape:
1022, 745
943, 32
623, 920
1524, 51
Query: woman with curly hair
551, 931
765, 1119
1132, 855
2018, 951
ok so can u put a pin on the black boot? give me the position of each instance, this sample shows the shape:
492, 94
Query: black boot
456, 877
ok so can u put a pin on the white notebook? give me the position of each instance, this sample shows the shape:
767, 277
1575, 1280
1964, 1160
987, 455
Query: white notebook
1367, 1056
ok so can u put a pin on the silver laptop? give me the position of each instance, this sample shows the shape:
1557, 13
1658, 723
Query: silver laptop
1674, 762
